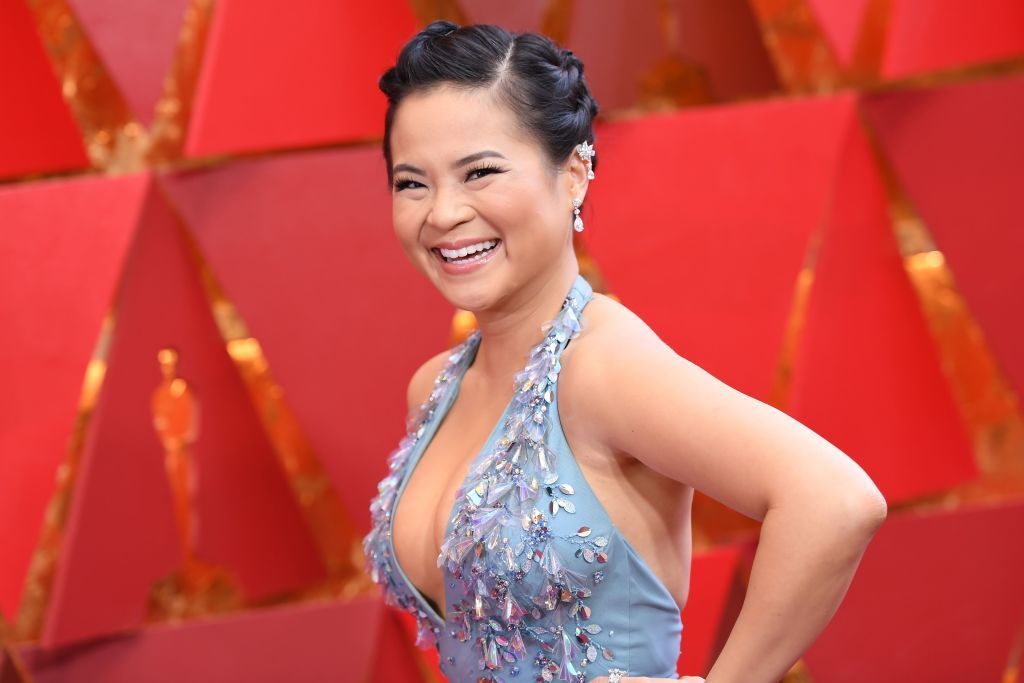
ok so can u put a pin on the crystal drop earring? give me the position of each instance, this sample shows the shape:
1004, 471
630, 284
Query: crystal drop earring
577, 224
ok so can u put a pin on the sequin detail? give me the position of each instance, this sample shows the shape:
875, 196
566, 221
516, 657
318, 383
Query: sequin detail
377, 544
516, 603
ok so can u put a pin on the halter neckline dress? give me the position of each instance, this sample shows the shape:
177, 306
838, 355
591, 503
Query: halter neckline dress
539, 583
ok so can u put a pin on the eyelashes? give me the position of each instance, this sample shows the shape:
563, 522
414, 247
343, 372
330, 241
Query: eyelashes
486, 169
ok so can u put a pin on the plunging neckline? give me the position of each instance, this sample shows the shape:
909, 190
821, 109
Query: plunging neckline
434, 422
496, 601
420, 448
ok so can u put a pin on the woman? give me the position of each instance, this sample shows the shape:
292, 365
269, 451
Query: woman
536, 518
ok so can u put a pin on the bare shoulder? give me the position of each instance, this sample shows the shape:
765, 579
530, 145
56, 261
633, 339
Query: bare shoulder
639, 397
609, 323
611, 334
595, 364
422, 381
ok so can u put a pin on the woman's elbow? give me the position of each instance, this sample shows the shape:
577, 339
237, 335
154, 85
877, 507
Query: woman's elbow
866, 509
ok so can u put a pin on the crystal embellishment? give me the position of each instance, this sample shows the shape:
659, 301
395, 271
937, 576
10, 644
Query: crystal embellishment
377, 546
514, 600
586, 152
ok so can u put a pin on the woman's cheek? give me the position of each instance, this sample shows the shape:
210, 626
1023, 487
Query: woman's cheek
405, 229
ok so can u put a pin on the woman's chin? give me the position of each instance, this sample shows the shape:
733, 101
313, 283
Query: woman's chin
470, 296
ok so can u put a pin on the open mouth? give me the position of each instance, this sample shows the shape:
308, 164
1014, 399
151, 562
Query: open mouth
489, 246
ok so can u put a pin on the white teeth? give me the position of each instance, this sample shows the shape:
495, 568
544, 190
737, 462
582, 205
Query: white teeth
465, 251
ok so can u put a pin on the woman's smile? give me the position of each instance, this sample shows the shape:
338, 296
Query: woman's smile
467, 259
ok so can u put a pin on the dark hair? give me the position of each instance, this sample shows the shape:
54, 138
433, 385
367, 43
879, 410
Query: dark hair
540, 82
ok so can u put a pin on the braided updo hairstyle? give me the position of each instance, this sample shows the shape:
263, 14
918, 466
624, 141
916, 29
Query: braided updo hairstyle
541, 83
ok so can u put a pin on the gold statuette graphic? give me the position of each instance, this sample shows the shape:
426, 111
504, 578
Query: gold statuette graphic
197, 587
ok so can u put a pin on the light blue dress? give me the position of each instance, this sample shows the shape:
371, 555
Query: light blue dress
539, 584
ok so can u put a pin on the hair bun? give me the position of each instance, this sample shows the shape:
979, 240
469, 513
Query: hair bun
570, 60
439, 28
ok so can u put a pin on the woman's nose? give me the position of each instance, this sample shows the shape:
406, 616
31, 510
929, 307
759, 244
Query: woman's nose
449, 209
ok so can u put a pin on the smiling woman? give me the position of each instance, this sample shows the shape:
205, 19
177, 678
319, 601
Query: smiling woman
483, 142
506, 190
536, 520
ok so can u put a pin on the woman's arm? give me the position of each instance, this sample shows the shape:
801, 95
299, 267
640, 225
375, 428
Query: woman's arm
819, 508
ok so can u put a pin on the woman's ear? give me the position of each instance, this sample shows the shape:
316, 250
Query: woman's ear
576, 176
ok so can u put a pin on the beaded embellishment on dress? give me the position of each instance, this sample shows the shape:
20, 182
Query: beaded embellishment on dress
521, 574
377, 543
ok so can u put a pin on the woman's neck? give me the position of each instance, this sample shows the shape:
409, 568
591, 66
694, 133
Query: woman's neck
507, 333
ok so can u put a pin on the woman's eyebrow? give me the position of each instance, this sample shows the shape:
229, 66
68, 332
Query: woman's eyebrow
476, 156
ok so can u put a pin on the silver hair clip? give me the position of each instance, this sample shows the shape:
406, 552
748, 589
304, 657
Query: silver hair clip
586, 152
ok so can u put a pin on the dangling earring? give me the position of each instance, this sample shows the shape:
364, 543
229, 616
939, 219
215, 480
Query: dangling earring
577, 224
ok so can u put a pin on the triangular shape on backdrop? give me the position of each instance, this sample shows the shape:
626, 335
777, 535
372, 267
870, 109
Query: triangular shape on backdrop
64, 243
701, 221
841, 23
121, 537
933, 35
972, 208
39, 112
294, 75
867, 375
138, 67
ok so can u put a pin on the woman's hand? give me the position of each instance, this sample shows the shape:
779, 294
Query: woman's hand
644, 679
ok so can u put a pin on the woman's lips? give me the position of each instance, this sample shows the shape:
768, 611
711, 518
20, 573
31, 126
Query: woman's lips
467, 266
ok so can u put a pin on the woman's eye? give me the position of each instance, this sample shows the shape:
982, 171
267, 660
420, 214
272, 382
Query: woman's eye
474, 174
402, 184
483, 170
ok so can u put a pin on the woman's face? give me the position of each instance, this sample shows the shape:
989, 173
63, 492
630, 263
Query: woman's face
465, 174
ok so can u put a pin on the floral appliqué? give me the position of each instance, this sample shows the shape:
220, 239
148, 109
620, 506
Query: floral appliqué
514, 594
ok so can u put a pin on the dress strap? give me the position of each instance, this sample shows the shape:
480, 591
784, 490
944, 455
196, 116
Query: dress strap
580, 293
446, 384
568, 323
